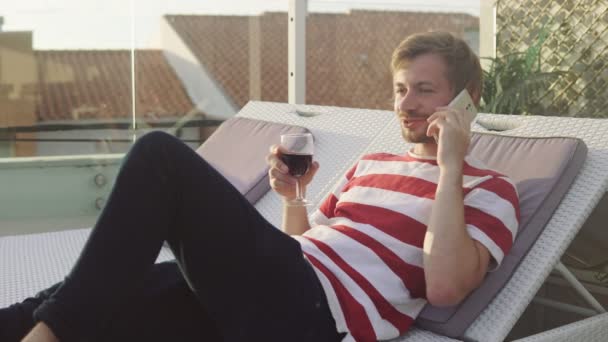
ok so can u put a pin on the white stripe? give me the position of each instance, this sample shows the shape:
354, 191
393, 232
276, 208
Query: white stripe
318, 218
418, 208
348, 338
337, 190
485, 240
408, 253
495, 206
367, 263
332, 299
420, 170
413, 306
382, 328
471, 182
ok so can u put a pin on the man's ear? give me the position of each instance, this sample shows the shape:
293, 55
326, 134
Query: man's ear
475, 95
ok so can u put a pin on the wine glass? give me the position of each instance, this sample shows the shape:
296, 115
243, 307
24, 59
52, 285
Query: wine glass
299, 149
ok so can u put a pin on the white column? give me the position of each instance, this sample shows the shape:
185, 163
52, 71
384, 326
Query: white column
487, 29
297, 51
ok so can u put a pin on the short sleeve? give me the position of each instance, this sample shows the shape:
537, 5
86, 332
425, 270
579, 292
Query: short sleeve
327, 208
492, 216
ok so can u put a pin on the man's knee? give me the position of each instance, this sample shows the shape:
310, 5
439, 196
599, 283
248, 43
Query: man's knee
156, 137
156, 142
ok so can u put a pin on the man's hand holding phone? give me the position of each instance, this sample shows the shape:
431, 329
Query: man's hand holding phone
451, 128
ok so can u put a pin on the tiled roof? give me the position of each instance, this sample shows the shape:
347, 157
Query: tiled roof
221, 44
96, 84
347, 54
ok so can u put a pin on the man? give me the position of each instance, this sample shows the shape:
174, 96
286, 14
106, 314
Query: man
396, 232
402, 230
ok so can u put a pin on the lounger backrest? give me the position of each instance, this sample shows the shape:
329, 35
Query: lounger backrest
543, 169
238, 150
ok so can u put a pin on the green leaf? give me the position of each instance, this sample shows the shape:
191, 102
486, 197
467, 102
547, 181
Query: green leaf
514, 83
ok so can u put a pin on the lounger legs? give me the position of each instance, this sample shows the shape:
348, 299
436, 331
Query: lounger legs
565, 272
582, 291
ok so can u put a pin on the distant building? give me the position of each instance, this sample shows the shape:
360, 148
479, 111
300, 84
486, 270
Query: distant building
242, 58
209, 66
86, 87
18, 72
94, 86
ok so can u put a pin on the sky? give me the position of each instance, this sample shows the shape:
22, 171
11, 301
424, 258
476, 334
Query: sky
122, 24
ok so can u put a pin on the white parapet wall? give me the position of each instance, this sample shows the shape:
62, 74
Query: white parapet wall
42, 194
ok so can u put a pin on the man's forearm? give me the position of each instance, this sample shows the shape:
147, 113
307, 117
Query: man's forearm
295, 219
451, 258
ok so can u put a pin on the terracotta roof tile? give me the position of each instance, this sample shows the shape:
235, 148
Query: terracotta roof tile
347, 54
222, 44
96, 84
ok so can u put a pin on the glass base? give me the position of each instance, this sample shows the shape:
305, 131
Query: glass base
298, 202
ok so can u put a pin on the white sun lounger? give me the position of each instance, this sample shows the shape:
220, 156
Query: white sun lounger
33, 262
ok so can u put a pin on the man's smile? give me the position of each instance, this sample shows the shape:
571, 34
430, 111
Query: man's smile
413, 121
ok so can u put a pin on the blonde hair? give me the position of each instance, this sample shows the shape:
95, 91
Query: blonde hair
463, 68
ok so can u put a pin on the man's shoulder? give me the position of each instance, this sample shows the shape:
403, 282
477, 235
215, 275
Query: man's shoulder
478, 174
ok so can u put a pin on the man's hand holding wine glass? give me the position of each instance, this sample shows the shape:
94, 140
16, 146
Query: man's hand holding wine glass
281, 180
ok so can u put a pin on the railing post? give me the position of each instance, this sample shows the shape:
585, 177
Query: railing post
297, 51
487, 29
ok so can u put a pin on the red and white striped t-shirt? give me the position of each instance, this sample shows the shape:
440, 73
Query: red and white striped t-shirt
366, 240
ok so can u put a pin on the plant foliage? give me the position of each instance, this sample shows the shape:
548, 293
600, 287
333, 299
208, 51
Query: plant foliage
514, 83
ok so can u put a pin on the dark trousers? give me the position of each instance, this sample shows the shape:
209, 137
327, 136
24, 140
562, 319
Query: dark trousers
165, 309
242, 278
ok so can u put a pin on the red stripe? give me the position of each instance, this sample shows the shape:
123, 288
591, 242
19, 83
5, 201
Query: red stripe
349, 174
504, 190
403, 158
411, 275
354, 314
384, 157
329, 205
397, 225
405, 184
408, 185
386, 310
491, 226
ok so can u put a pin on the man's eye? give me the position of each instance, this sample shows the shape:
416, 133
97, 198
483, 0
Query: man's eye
399, 91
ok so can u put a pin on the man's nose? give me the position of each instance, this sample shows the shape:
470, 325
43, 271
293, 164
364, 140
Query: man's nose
406, 103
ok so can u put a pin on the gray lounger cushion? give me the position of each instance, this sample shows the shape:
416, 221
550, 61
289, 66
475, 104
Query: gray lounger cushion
238, 150
543, 170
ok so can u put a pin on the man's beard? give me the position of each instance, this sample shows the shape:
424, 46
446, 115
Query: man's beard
414, 137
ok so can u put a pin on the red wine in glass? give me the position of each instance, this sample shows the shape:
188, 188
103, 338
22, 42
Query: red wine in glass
297, 155
298, 163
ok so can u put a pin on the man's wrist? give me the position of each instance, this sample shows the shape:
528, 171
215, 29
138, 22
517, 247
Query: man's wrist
450, 176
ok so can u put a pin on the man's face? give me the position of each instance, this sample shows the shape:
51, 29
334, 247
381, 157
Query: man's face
420, 88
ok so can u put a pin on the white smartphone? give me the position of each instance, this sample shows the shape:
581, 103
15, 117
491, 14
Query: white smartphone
464, 101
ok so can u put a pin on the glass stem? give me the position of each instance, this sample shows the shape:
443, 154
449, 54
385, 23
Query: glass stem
299, 192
